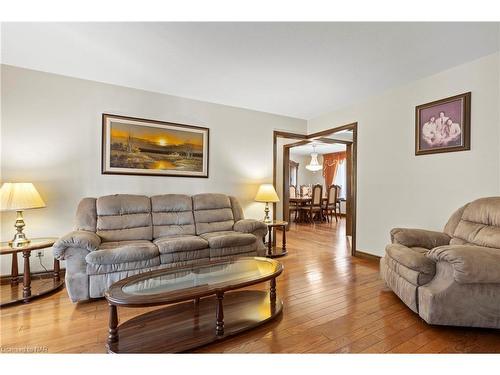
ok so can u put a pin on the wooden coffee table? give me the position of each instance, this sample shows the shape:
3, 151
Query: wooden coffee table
219, 310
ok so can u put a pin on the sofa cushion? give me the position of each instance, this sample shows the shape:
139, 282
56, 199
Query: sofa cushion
399, 285
121, 256
471, 263
181, 257
122, 251
412, 237
414, 277
176, 244
453, 221
480, 223
172, 215
212, 213
86, 215
123, 217
237, 210
233, 252
413, 259
222, 239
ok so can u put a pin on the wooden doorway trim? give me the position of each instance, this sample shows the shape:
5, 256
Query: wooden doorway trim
351, 160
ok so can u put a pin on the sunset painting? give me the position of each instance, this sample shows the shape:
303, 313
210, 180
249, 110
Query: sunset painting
138, 146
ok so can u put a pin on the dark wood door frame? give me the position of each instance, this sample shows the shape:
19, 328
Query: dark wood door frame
351, 160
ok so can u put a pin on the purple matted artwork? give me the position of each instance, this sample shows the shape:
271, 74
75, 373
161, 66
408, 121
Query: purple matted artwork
443, 126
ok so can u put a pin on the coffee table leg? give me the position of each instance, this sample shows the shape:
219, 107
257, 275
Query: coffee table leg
14, 272
113, 324
272, 295
284, 238
26, 276
272, 291
57, 269
219, 325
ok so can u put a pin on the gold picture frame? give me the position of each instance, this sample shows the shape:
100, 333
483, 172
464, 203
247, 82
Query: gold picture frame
137, 146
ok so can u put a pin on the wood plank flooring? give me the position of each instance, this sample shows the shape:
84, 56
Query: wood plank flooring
333, 304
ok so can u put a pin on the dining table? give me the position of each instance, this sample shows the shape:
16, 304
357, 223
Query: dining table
303, 201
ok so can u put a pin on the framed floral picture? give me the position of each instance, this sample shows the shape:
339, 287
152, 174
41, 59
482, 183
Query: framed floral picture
135, 146
443, 125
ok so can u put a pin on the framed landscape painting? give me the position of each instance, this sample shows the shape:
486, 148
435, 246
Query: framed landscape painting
136, 146
443, 125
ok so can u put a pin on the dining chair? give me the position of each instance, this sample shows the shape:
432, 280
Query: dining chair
315, 206
304, 191
330, 206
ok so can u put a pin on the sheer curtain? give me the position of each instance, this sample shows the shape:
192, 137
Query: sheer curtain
341, 178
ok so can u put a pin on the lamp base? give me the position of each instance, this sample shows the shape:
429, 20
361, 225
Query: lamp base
19, 242
267, 219
19, 239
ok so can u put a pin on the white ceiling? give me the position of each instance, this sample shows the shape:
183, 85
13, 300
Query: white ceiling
321, 148
296, 69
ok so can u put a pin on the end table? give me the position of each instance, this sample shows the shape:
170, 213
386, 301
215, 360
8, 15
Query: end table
274, 251
28, 290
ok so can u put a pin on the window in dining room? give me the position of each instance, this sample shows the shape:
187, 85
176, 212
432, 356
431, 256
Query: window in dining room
294, 172
340, 179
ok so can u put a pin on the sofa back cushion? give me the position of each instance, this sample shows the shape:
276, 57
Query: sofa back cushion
479, 223
86, 215
212, 213
172, 215
124, 217
237, 210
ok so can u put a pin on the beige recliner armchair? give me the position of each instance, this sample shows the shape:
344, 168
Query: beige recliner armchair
450, 277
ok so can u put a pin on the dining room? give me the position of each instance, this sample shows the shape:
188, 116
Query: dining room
317, 183
315, 178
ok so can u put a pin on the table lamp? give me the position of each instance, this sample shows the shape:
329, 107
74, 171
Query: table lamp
19, 197
266, 194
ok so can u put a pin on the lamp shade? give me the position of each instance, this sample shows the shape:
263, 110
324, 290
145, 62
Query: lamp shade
266, 193
19, 196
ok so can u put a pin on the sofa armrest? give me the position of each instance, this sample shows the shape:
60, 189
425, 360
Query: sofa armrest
78, 239
419, 238
256, 227
471, 264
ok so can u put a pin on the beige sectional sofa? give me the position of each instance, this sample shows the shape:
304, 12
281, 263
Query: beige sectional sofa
450, 277
117, 236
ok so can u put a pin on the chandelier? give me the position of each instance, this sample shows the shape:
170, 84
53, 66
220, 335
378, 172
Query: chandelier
314, 165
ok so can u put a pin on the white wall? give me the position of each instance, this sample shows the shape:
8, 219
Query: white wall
305, 176
51, 136
397, 188
280, 142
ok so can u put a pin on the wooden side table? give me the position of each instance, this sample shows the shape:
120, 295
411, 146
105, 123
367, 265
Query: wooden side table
274, 251
30, 288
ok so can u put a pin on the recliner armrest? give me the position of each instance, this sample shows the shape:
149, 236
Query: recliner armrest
256, 227
471, 264
419, 238
77, 239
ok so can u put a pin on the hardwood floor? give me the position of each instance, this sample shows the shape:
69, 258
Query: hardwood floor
333, 304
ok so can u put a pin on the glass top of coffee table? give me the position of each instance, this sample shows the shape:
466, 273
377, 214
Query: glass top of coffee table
189, 282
